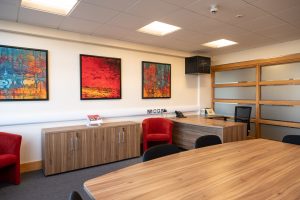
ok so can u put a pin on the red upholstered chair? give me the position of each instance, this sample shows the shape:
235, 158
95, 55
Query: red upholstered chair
10, 157
157, 130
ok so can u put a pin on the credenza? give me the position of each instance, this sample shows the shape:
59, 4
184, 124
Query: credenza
187, 130
74, 147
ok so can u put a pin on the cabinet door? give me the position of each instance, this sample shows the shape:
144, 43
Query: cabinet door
106, 140
129, 143
59, 152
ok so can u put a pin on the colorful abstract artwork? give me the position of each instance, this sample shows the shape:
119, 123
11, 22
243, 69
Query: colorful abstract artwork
156, 80
100, 77
23, 74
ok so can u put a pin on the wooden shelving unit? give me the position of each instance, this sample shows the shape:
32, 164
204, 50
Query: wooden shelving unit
258, 64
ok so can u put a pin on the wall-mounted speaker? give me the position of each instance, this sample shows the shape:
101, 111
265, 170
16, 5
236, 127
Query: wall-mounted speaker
197, 65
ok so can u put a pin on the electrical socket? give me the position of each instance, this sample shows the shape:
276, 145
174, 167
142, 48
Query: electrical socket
156, 111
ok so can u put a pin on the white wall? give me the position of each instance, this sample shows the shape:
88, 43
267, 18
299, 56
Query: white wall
64, 84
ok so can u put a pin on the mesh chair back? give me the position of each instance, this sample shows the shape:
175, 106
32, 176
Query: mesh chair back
75, 196
292, 139
207, 140
160, 151
243, 114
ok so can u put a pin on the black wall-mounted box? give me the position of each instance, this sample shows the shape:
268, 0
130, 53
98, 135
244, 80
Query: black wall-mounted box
197, 65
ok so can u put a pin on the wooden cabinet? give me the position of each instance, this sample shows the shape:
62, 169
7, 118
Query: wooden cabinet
75, 147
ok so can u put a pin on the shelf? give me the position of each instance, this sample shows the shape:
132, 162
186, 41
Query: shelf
280, 103
281, 82
241, 84
280, 123
238, 101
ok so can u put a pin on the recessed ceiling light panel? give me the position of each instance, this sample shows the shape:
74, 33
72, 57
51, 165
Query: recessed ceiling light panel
159, 28
59, 7
219, 43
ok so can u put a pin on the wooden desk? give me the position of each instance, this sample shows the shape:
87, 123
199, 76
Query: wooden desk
187, 130
251, 169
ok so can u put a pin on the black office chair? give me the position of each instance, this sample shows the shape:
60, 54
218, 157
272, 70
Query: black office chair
207, 140
160, 151
243, 114
75, 196
291, 139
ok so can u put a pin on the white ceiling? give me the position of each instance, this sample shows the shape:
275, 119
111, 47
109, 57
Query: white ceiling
264, 22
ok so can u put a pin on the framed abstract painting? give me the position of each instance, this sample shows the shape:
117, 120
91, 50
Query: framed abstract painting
23, 74
156, 80
100, 77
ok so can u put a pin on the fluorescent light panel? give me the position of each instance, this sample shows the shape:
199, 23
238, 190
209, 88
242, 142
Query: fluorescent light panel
60, 7
219, 43
159, 28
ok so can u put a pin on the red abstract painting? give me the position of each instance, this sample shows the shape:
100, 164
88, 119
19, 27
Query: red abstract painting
100, 77
156, 80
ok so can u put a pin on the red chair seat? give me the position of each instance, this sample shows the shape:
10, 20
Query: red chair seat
7, 159
157, 137
10, 157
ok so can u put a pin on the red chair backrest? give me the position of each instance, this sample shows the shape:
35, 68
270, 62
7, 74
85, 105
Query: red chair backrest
10, 143
157, 125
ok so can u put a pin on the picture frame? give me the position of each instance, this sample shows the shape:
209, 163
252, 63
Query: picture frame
23, 74
100, 77
156, 80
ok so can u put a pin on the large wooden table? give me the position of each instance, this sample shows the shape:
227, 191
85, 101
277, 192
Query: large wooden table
187, 130
252, 169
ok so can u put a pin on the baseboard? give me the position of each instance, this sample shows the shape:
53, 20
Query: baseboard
31, 166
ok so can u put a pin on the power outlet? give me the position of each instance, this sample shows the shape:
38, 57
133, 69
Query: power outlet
156, 111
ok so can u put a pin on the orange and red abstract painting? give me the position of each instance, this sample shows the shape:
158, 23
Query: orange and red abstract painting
100, 77
23, 74
156, 80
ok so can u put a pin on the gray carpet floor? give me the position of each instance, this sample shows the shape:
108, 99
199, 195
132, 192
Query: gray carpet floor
35, 186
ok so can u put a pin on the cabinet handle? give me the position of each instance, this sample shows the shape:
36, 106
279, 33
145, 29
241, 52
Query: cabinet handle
119, 136
123, 134
76, 143
72, 143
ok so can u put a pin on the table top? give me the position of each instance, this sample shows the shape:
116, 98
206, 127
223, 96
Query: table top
250, 169
204, 121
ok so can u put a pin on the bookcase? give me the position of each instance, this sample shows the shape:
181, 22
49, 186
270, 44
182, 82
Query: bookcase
74, 147
270, 86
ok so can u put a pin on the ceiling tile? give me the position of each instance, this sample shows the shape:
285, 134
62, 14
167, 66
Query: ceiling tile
264, 21
181, 3
8, 12
290, 15
203, 6
275, 5
129, 21
151, 9
35, 17
191, 36
191, 21
78, 25
93, 13
113, 4
110, 31
280, 32
260, 23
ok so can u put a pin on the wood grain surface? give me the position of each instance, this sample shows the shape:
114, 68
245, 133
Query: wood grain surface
74, 147
187, 130
252, 169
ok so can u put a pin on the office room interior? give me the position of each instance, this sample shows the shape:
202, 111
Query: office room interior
96, 62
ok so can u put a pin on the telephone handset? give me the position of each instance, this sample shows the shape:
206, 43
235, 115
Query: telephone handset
179, 114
